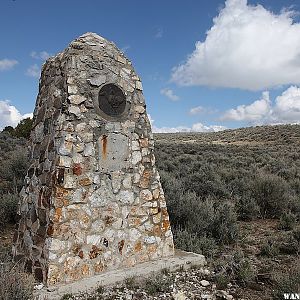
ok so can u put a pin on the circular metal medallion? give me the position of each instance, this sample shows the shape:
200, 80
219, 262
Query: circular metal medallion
112, 100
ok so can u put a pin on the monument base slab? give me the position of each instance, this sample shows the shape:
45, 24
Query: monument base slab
181, 260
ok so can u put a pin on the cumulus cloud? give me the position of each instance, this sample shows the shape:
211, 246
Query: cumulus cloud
7, 64
43, 55
33, 71
248, 47
169, 94
284, 109
10, 115
256, 111
197, 127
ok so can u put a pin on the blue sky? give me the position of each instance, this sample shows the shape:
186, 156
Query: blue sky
243, 71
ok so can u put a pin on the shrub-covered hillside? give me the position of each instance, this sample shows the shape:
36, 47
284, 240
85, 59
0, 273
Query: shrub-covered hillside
235, 196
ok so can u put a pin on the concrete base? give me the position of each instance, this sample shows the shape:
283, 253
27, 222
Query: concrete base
181, 259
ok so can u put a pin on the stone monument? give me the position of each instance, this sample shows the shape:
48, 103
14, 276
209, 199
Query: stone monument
92, 199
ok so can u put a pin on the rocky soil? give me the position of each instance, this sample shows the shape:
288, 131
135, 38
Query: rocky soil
181, 285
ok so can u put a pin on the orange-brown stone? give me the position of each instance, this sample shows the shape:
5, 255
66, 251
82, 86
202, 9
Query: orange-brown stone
58, 214
165, 225
99, 267
138, 246
77, 169
85, 181
144, 143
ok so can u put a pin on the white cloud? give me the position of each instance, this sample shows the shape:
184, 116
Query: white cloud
256, 111
197, 127
43, 55
10, 115
33, 71
201, 110
248, 47
7, 64
285, 109
169, 93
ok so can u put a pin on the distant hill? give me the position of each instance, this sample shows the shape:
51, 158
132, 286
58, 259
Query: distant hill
279, 134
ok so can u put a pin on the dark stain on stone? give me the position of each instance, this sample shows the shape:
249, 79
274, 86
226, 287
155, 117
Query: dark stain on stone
105, 242
60, 176
80, 254
120, 246
104, 146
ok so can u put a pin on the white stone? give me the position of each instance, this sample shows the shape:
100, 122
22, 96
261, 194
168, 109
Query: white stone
150, 239
98, 226
52, 255
138, 85
97, 81
79, 147
126, 197
140, 109
204, 283
179, 296
77, 158
76, 99
72, 89
135, 146
89, 150
93, 239
65, 161
75, 110
134, 234
65, 148
80, 127
127, 182
136, 157
96, 179
70, 80
87, 137
69, 182
145, 151
58, 245
121, 59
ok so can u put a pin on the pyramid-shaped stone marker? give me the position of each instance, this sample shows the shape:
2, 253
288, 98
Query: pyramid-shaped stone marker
92, 199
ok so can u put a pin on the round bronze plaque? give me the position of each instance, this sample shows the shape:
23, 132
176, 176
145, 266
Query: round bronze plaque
112, 100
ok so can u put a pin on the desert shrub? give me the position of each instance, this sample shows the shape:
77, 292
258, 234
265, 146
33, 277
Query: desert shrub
270, 193
206, 219
222, 281
269, 248
14, 283
247, 208
225, 228
187, 241
235, 267
13, 170
8, 208
288, 244
288, 221
158, 284
296, 233
286, 283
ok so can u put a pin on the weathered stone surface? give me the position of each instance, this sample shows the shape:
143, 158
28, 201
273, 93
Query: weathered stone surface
92, 200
